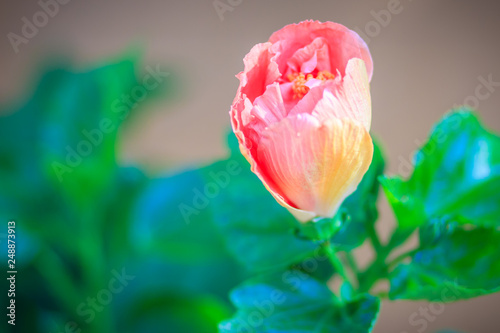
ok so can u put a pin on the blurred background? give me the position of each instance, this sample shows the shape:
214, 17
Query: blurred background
88, 56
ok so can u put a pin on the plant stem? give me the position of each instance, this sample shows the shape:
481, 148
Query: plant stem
352, 263
337, 264
372, 233
378, 268
403, 256
376, 271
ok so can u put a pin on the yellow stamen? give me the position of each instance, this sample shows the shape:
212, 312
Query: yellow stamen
325, 75
299, 80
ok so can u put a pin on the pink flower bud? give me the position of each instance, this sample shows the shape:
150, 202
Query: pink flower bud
302, 115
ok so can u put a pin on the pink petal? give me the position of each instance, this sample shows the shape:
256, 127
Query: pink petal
260, 71
348, 99
343, 43
266, 110
313, 56
250, 123
309, 167
308, 103
269, 108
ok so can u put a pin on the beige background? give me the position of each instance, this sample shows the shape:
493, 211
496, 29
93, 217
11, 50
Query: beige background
427, 59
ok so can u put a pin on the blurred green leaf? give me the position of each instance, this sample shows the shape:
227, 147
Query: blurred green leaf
76, 221
253, 223
291, 302
119, 204
462, 264
457, 175
80, 114
61, 144
175, 313
435, 229
186, 248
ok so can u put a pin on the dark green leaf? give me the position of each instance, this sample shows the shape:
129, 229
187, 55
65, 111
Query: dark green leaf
461, 264
457, 175
294, 302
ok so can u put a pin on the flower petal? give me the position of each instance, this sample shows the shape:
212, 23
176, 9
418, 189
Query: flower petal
313, 165
343, 44
307, 104
311, 57
269, 108
348, 99
260, 71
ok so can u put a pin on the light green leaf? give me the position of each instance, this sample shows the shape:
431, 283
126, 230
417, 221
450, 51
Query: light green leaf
457, 175
461, 264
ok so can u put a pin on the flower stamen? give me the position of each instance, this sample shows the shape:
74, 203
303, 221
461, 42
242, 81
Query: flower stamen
299, 80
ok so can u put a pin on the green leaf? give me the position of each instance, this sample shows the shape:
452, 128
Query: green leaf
462, 264
294, 302
457, 175
56, 143
129, 185
174, 313
434, 230
361, 206
80, 114
258, 231
179, 237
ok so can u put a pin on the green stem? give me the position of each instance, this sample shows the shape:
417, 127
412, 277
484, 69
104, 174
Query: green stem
379, 269
352, 263
403, 256
372, 233
376, 271
337, 264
